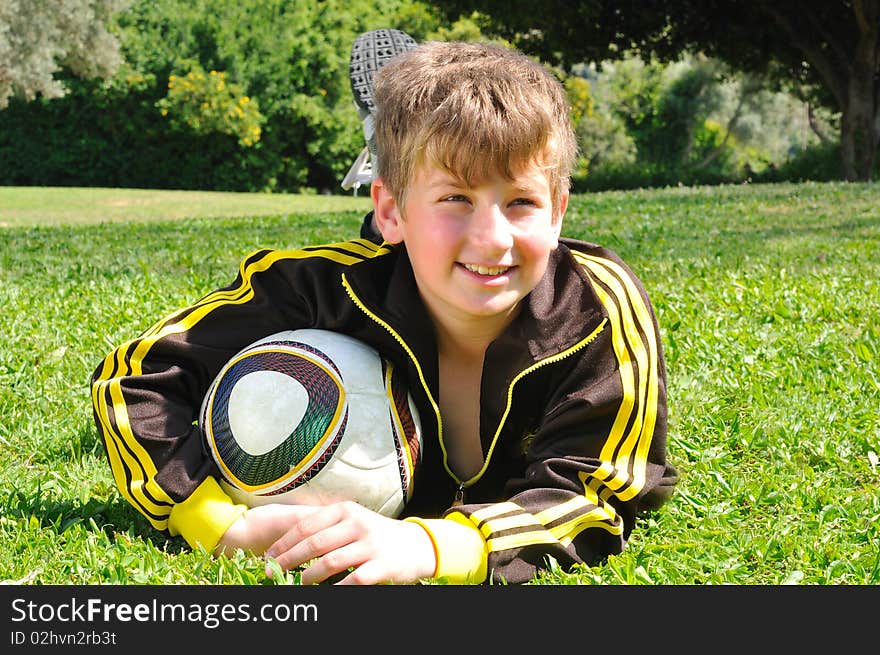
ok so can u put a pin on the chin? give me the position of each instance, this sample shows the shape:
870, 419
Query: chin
493, 308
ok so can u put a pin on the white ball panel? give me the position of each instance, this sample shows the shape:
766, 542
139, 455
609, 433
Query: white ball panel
364, 465
264, 409
381, 488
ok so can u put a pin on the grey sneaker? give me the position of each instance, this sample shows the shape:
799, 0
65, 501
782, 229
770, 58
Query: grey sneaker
369, 52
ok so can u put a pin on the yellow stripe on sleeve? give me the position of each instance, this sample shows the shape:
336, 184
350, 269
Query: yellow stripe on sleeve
131, 465
631, 316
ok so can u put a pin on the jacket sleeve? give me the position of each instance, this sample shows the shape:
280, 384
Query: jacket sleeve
147, 393
595, 461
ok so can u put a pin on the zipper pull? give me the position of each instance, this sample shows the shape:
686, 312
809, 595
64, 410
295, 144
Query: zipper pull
459, 496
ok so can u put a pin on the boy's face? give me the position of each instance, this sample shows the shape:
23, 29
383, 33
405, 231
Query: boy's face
476, 251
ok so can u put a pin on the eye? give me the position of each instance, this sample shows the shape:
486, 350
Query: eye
527, 202
454, 197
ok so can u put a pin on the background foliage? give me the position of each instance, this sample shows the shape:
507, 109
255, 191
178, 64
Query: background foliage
695, 121
823, 52
38, 38
290, 59
169, 117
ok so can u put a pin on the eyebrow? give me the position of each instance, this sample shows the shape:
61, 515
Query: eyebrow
527, 188
446, 180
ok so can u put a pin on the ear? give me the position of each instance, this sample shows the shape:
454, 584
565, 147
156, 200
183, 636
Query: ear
386, 212
559, 213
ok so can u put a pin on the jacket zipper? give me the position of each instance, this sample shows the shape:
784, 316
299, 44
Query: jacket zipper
463, 484
360, 305
583, 343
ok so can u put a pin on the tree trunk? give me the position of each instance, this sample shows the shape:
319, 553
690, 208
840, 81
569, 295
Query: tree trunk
814, 125
860, 115
746, 89
860, 128
849, 67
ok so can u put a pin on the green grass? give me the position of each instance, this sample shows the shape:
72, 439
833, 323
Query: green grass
768, 299
21, 206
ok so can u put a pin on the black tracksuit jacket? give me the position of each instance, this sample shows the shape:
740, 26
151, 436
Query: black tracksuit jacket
573, 396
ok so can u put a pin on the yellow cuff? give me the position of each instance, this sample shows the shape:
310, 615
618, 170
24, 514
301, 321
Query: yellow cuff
460, 548
204, 516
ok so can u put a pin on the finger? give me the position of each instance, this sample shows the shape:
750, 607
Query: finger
371, 572
306, 524
339, 560
318, 540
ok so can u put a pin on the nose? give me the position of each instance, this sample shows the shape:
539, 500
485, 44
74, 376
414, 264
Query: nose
490, 228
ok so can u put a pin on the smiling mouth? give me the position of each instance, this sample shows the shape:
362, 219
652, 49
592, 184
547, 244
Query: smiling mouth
486, 270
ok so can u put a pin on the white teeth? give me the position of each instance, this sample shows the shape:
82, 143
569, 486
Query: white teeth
486, 270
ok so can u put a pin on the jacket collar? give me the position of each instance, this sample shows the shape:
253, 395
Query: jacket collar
558, 313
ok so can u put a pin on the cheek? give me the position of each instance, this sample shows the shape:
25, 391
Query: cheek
540, 244
438, 236
430, 247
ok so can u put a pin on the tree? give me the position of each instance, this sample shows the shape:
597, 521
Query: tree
289, 58
39, 37
233, 95
826, 50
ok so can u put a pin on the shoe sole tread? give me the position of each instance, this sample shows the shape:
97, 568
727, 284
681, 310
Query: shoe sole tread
369, 52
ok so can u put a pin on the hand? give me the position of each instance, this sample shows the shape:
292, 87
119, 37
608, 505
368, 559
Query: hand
345, 536
259, 527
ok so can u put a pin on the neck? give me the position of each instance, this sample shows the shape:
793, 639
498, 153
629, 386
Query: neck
470, 337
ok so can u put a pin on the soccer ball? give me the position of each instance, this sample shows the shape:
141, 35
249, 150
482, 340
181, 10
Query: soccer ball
309, 417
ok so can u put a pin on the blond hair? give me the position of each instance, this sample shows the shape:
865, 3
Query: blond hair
475, 110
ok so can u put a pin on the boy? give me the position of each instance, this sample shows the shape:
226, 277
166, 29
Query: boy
535, 361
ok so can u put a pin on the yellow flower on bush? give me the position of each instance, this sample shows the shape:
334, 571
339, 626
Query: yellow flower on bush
207, 103
579, 97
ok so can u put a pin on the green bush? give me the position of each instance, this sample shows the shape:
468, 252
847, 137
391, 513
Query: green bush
112, 136
253, 95
298, 129
206, 103
818, 163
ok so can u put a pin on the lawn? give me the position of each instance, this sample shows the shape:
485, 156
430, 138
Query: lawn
768, 299
74, 206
